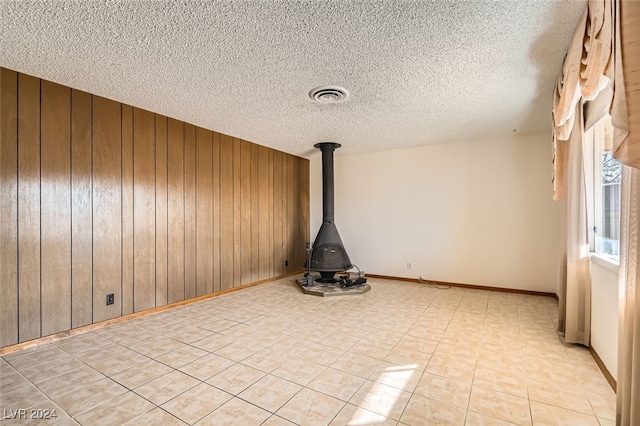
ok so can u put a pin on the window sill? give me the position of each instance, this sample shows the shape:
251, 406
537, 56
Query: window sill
605, 261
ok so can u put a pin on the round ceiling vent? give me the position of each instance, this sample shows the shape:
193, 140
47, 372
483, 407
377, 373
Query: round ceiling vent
328, 94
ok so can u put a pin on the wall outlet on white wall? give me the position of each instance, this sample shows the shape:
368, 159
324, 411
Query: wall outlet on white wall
409, 265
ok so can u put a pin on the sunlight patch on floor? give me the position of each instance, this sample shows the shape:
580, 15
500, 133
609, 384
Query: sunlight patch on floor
382, 398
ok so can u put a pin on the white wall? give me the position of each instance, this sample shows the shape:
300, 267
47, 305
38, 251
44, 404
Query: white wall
604, 312
476, 212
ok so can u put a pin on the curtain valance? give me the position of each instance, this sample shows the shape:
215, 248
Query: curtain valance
605, 49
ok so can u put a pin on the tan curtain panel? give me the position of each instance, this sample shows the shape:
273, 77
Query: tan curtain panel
560, 152
625, 108
628, 386
625, 117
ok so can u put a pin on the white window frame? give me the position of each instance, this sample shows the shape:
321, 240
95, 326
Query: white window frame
593, 151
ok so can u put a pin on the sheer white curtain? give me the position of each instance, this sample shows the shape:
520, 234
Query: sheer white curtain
575, 294
625, 116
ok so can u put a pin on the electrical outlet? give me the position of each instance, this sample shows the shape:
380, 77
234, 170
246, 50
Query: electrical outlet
110, 298
409, 265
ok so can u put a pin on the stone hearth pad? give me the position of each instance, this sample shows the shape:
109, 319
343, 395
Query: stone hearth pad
331, 289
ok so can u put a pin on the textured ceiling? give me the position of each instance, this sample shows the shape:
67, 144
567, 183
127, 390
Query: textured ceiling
417, 72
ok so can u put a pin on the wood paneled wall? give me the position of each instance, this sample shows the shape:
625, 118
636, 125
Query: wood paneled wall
99, 197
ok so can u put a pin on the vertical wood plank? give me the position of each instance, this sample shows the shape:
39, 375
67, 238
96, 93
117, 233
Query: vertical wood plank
286, 220
297, 234
226, 212
255, 215
293, 214
107, 207
237, 218
245, 210
128, 251
161, 210
28, 207
290, 222
55, 216
189, 211
303, 207
278, 260
9, 207
271, 215
204, 209
264, 240
216, 211
144, 239
175, 207
81, 225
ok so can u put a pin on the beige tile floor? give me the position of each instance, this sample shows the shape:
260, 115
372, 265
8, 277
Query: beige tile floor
402, 354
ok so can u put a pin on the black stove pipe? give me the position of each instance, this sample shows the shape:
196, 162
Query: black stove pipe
327, 148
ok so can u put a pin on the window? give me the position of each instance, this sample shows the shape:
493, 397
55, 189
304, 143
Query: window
606, 174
